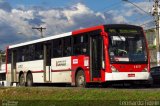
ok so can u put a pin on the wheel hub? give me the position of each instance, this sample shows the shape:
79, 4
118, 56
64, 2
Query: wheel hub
81, 80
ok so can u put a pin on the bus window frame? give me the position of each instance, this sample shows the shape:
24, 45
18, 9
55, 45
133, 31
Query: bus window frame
82, 45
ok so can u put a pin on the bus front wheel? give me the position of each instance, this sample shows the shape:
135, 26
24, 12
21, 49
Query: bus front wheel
80, 79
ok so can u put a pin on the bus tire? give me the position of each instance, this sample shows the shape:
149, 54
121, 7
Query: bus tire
21, 80
29, 80
80, 79
11, 83
106, 85
148, 85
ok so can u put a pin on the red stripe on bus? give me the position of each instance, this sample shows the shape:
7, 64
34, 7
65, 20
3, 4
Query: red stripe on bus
37, 71
60, 70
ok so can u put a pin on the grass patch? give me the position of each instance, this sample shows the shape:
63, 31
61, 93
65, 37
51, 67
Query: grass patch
49, 94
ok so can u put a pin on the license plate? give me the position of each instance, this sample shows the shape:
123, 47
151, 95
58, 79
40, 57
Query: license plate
131, 75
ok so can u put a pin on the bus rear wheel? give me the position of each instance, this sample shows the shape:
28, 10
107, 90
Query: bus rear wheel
21, 80
80, 79
29, 80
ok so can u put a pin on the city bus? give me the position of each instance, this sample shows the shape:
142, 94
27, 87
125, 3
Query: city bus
98, 54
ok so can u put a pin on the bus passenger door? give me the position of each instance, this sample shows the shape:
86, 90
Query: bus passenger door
95, 56
13, 66
47, 62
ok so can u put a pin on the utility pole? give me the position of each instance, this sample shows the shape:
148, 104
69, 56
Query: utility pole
155, 13
40, 29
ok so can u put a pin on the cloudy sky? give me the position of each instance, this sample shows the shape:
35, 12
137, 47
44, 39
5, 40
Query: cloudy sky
17, 17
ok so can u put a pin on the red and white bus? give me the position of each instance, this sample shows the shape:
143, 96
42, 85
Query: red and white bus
99, 54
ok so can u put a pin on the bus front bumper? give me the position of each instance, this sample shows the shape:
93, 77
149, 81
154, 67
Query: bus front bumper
122, 76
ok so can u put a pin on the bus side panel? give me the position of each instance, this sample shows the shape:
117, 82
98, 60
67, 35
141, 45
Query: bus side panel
80, 62
36, 67
61, 70
8, 74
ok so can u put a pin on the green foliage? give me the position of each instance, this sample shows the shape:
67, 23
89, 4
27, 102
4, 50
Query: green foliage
152, 46
2, 52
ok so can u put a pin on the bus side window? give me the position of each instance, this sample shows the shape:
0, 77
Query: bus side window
9, 56
22, 54
67, 46
57, 48
23, 57
38, 51
80, 45
31, 52
26, 53
76, 45
85, 45
19, 54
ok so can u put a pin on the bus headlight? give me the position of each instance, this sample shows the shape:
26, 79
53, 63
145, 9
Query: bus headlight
145, 70
113, 69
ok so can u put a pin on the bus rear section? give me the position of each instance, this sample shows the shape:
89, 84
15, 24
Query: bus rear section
128, 54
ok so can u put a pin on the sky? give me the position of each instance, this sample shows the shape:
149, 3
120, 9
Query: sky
17, 17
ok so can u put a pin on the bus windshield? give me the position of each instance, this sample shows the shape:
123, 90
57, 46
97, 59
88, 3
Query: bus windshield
127, 45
